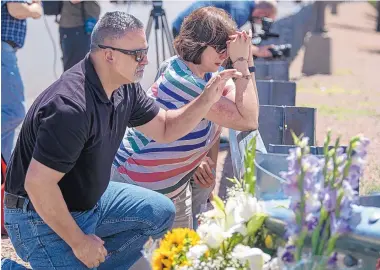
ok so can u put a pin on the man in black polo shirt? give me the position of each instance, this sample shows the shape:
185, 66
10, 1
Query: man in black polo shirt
61, 211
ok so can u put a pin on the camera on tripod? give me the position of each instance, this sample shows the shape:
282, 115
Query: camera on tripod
157, 3
264, 33
158, 18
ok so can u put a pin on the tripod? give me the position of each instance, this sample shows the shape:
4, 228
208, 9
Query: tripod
159, 16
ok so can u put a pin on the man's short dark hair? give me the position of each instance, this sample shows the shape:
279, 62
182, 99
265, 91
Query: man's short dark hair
113, 25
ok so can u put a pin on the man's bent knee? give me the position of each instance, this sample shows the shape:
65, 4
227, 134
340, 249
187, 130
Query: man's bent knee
164, 214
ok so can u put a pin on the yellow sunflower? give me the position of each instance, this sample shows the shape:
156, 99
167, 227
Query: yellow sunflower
162, 259
185, 263
173, 247
178, 237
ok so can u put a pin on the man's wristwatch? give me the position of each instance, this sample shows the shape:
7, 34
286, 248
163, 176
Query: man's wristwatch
252, 69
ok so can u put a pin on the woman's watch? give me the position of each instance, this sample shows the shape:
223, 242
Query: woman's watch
252, 69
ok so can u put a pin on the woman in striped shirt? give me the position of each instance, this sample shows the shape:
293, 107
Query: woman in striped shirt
185, 169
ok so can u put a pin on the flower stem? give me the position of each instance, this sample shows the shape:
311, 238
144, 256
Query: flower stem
325, 236
300, 244
338, 202
326, 154
316, 233
331, 245
349, 159
335, 162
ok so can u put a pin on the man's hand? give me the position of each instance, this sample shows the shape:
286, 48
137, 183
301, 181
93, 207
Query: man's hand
205, 173
90, 251
215, 86
41, 184
262, 51
36, 10
171, 125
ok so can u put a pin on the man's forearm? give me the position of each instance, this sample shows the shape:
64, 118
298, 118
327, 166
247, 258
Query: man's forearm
182, 121
246, 98
48, 202
255, 50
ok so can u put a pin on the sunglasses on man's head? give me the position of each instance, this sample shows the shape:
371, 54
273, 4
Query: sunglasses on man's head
139, 54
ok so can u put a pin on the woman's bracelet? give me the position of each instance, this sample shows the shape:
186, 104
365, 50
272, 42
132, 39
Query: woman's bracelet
240, 59
247, 77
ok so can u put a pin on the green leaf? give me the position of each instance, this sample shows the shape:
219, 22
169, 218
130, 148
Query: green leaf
218, 203
296, 139
236, 239
249, 179
255, 223
234, 181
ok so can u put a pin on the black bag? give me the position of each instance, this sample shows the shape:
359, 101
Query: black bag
52, 7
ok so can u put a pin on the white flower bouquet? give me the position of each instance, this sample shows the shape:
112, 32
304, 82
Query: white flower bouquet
228, 236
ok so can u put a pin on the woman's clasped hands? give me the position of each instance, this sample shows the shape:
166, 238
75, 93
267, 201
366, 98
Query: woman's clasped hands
239, 46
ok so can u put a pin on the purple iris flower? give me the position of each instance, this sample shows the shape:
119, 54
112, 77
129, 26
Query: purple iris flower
333, 260
338, 225
329, 199
288, 255
353, 176
311, 222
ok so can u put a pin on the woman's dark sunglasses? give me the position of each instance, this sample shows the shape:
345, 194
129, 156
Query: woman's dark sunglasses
139, 54
220, 48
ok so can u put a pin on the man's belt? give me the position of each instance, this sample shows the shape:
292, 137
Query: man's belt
15, 202
11, 43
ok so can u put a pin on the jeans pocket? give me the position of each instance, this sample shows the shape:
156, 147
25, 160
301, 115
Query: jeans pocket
15, 237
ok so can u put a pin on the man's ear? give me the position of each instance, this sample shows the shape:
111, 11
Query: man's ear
109, 56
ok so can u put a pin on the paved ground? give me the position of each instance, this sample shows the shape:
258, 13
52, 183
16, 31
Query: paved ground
347, 101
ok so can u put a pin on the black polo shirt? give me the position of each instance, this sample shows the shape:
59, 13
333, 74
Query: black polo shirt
73, 127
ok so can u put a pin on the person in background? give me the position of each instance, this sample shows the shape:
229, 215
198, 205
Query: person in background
13, 31
77, 19
241, 12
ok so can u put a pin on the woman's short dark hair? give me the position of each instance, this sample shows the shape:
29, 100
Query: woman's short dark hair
204, 26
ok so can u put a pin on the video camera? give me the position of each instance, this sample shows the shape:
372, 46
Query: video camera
264, 33
128, 2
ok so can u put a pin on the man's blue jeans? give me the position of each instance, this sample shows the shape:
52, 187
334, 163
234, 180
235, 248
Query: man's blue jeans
12, 98
125, 217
